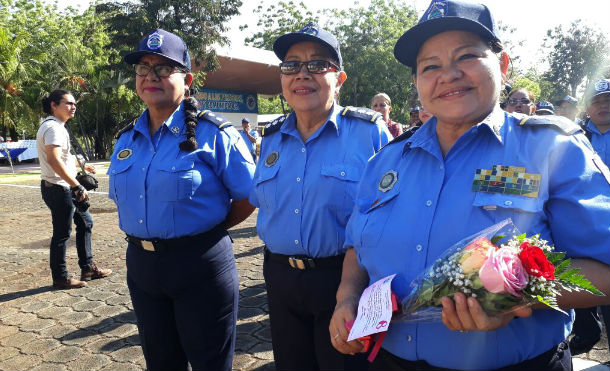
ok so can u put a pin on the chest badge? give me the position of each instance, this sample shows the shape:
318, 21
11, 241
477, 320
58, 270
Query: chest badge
272, 159
508, 180
388, 180
124, 154
175, 130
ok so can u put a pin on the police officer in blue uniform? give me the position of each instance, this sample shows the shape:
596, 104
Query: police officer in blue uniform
305, 181
179, 179
418, 197
588, 326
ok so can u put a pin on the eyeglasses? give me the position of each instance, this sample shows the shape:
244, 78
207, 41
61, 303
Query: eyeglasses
160, 70
514, 102
316, 67
68, 103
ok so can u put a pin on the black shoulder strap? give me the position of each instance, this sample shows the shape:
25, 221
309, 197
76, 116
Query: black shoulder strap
404, 136
588, 132
218, 120
273, 126
126, 128
365, 114
560, 123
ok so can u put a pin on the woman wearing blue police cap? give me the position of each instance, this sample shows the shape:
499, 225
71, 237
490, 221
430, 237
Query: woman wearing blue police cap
305, 181
179, 179
399, 228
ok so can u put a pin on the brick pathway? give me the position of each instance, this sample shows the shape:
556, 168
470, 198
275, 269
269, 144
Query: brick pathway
94, 328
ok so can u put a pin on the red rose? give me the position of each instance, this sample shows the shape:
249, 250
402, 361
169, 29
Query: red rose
535, 262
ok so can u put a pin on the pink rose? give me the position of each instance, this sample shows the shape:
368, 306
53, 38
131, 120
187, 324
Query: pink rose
503, 273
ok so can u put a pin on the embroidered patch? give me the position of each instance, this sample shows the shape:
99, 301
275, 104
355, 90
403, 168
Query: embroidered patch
272, 159
155, 40
388, 180
124, 154
437, 10
601, 85
509, 180
310, 29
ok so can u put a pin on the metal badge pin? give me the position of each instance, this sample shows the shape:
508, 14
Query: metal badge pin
175, 129
388, 180
124, 154
272, 159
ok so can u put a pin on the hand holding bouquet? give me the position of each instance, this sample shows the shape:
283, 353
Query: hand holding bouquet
499, 272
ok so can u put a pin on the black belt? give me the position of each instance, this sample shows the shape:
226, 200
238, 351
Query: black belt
206, 239
305, 262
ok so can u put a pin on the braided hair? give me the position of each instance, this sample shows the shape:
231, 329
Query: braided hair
190, 113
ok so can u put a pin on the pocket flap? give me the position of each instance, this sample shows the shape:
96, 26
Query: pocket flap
177, 166
266, 173
342, 171
119, 166
366, 205
504, 201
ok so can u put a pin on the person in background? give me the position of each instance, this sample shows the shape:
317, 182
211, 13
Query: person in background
520, 101
382, 103
544, 108
180, 178
250, 136
588, 326
59, 188
416, 198
304, 186
414, 120
567, 107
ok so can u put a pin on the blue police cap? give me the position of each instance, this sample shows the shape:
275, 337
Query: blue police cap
600, 87
163, 43
244, 119
544, 107
414, 109
569, 99
441, 16
311, 32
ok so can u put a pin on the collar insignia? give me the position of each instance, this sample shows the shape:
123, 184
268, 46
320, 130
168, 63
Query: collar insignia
175, 129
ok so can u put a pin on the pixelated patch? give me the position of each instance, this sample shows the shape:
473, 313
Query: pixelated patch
437, 10
310, 29
602, 167
601, 85
155, 40
509, 180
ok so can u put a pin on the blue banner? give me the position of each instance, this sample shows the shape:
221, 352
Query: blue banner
227, 101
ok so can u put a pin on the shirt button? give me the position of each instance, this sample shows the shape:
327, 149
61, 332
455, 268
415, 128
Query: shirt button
298, 179
140, 221
428, 203
418, 247
508, 202
141, 197
143, 169
343, 173
113, 172
303, 149
409, 338
296, 242
296, 211
441, 167
173, 168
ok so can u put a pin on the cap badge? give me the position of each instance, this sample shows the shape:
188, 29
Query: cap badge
601, 85
272, 159
310, 29
175, 129
388, 180
437, 10
124, 154
155, 40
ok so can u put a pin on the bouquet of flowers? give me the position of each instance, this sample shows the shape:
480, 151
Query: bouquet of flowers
499, 267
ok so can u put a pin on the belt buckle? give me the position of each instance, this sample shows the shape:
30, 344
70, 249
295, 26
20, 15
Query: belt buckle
147, 245
296, 263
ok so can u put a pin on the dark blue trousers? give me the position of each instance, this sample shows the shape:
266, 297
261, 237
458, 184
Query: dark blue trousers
63, 212
185, 300
587, 325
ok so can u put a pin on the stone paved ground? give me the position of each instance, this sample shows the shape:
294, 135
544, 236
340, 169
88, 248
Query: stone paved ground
94, 328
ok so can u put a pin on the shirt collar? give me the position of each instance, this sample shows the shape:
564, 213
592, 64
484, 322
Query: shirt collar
591, 126
289, 126
426, 134
174, 123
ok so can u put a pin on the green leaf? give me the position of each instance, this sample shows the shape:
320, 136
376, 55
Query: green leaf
495, 239
577, 282
549, 301
555, 257
560, 269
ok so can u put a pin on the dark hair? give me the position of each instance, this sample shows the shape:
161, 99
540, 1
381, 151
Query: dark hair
529, 94
190, 114
56, 96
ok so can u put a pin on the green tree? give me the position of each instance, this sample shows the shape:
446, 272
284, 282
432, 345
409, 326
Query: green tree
578, 55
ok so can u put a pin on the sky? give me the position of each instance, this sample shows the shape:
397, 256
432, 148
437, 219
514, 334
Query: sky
531, 18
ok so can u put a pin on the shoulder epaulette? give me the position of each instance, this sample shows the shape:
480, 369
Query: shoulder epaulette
126, 128
365, 114
214, 118
404, 136
564, 125
273, 126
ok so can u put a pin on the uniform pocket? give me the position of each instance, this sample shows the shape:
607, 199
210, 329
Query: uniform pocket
178, 181
117, 178
342, 181
522, 210
376, 211
266, 186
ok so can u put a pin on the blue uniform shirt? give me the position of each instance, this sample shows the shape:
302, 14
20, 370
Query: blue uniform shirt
249, 144
163, 192
600, 142
432, 206
306, 196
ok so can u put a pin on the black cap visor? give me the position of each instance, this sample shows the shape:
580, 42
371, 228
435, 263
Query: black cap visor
133, 58
407, 47
285, 42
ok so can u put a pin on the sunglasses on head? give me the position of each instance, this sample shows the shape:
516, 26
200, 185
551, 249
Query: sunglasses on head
294, 67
